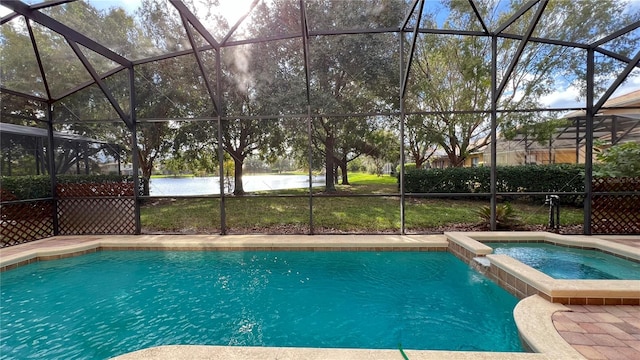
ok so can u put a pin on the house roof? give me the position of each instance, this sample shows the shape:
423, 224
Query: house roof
617, 121
29, 131
627, 105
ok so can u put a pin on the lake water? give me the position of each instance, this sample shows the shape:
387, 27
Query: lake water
182, 186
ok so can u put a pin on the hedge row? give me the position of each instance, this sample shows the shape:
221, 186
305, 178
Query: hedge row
39, 186
522, 178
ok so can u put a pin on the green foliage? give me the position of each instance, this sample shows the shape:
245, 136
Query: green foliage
454, 73
358, 164
39, 186
27, 187
506, 217
621, 160
85, 179
355, 214
377, 183
407, 167
521, 178
542, 178
449, 180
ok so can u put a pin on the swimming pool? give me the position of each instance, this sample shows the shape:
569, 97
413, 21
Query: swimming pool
108, 303
562, 262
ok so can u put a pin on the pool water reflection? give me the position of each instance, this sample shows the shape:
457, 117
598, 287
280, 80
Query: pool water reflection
108, 303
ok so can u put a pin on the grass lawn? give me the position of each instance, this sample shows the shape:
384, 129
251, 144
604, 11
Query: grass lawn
331, 214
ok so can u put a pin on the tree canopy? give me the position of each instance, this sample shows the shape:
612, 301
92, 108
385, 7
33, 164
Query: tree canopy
296, 73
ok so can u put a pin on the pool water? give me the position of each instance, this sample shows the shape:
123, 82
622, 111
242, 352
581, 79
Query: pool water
108, 303
569, 263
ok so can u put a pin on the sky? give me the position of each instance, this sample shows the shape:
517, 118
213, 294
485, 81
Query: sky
130, 6
566, 97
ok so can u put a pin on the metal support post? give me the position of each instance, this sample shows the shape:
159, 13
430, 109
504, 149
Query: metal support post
588, 151
494, 133
133, 127
52, 169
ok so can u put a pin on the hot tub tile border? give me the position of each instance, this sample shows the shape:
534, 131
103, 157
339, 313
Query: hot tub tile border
523, 281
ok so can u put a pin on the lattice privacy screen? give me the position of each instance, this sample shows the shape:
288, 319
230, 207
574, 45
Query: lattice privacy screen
96, 208
615, 214
25, 221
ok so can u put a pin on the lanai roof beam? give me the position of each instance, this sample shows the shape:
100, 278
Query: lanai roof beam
305, 50
408, 17
65, 31
87, 84
475, 11
617, 34
27, 96
237, 24
517, 15
622, 77
185, 12
100, 83
405, 78
523, 43
39, 60
203, 71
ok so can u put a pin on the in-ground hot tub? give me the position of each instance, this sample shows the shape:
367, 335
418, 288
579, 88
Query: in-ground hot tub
523, 280
562, 262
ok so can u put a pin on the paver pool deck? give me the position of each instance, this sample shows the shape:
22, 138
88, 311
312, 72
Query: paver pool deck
603, 332
556, 331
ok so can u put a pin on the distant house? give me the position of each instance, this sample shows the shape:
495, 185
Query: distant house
115, 168
475, 158
440, 160
618, 121
523, 151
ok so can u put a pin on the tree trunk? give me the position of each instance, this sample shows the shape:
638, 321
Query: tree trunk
146, 165
145, 185
343, 169
329, 167
238, 189
455, 160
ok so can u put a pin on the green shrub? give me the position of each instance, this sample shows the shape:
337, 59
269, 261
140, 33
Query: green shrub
620, 160
506, 217
407, 167
27, 187
84, 179
39, 186
521, 178
449, 180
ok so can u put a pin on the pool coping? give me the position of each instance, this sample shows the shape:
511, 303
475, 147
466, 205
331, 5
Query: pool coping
523, 280
540, 336
66, 246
